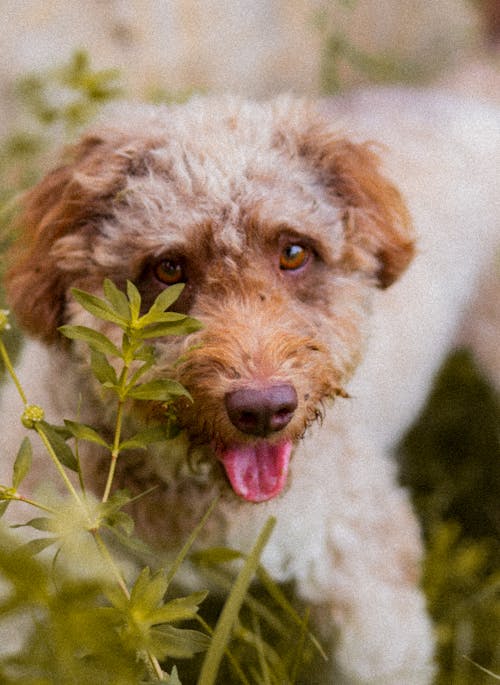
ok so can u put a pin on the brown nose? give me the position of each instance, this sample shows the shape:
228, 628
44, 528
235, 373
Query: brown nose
260, 411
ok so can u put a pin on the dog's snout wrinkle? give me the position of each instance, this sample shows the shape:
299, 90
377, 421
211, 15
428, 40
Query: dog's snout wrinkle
261, 411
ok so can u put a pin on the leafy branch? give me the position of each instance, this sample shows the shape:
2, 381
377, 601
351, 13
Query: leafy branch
135, 356
140, 616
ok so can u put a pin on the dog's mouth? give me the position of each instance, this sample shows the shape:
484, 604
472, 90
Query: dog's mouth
257, 471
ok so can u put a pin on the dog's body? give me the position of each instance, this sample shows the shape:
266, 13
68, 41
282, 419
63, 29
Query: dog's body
288, 235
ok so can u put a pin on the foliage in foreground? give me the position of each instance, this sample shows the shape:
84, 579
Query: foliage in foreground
94, 624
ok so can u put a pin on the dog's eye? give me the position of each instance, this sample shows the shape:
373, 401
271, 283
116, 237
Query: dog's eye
169, 271
293, 256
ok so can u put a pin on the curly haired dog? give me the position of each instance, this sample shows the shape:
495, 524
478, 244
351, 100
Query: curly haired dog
288, 231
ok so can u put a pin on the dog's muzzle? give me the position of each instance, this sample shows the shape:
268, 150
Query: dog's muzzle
258, 469
261, 411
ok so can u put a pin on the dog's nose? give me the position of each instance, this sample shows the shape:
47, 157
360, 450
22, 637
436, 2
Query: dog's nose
260, 411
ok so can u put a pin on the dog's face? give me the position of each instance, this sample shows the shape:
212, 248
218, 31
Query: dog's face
280, 230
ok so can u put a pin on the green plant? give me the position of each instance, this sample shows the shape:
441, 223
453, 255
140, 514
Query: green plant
137, 618
462, 583
101, 627
450, 459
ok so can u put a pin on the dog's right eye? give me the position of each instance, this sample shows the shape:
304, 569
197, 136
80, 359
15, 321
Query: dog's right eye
293, 257
169, 271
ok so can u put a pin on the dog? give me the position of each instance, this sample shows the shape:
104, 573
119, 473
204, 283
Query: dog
331, 251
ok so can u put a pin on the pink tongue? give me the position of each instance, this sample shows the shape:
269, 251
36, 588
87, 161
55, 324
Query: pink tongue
257, 472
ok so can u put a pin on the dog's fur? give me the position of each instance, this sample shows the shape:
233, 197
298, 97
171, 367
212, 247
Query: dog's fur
222, 187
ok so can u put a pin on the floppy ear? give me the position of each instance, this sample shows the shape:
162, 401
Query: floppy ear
378, 229
71, 200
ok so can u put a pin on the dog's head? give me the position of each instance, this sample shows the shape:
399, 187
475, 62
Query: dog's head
280, 229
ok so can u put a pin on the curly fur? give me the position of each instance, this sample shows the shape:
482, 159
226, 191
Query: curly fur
221, 186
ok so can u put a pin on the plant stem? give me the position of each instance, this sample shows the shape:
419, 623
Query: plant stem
122, 394
8, 365
57, 463
156, 666
190, 541
111, 562
37, 505
116, 450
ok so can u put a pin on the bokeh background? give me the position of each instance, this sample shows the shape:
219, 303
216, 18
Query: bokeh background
62, 59
255, 48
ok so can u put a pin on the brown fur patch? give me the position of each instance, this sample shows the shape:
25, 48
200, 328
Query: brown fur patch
72, 199
379, 233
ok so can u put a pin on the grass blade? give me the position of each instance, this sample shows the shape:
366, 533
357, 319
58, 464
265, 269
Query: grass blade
189, 543
229, 615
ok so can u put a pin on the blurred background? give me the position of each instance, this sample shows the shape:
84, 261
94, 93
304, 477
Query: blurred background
255, 48
62, 59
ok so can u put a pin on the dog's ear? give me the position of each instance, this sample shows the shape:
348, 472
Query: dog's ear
378, 229
69, 201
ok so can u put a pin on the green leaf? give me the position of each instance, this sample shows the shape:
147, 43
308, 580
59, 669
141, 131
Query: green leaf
154, 316
102, 369
148, 590
94, 339
62, 450
111, 512
99, 307
145, 353
215, 556
160, 317
167, 298
177, 643
144, 438
117, 299
22, 465
41, 523
174, 677
160, 390
3, 507
179, 609
122, 521
33, 547
134, 297
184, 327
115, 596
131, 543
149, 361
83, 432
117, 500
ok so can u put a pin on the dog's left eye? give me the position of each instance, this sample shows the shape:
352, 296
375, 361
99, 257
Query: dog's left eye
293, 256
169, 271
